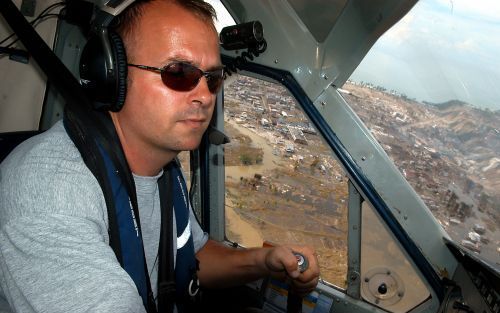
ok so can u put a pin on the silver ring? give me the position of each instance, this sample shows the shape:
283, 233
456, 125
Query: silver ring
191, 293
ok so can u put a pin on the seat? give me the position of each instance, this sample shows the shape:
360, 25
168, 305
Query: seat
8, 141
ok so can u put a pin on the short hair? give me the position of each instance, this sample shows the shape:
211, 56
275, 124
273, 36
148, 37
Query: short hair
125, 21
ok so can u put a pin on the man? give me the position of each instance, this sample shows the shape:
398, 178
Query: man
54, 245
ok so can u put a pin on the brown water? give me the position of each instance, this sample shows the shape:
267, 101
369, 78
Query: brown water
269, 160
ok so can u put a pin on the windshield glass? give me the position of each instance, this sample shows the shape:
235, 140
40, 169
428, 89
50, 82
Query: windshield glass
428, 91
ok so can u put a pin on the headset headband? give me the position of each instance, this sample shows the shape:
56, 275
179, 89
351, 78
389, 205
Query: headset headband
106, 11
112, 7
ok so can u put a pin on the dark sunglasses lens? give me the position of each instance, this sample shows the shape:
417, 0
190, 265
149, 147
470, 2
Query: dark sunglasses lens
215, 80
184, 77
181, 76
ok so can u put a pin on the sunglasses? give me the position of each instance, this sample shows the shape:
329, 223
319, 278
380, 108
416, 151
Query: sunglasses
182, 76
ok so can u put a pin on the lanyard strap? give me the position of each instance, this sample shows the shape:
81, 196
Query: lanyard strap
166, 281
180, 284
186, 265
133, 258
105, 159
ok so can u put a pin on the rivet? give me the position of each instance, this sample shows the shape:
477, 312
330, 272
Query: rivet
363, 158
323, 103
325, 76
276, 61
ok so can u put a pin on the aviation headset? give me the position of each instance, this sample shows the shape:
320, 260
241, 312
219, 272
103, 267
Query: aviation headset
103, 70
103, 63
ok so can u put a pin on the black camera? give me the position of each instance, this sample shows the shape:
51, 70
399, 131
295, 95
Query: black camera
242, 36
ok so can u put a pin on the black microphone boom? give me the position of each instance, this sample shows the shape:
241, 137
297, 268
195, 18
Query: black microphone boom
217, 137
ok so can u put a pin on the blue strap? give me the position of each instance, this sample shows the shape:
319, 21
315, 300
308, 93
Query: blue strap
131, 244
186, 266
130, 237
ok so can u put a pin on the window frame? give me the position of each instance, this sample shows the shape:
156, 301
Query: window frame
360, 188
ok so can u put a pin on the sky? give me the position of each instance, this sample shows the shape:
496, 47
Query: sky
442, 50
223, 17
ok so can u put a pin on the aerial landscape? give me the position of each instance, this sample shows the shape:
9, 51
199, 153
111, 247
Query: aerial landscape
283, 185
450, 154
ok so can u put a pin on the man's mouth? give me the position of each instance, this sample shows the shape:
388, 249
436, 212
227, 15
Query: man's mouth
194, 122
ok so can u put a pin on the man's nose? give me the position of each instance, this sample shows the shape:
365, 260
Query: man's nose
202, 92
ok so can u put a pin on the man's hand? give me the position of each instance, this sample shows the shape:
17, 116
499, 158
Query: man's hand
282, 263
222, 266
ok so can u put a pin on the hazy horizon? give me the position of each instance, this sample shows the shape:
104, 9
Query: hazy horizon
442, 50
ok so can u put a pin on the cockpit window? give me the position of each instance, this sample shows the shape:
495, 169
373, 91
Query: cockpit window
428, 91
282, 183
223, 17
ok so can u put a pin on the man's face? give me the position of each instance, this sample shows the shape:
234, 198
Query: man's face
156, 119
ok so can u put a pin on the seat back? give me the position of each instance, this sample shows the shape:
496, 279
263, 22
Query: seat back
8, 141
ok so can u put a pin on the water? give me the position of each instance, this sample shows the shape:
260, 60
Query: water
269, 160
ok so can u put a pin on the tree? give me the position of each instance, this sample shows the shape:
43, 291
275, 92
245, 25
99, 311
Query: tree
245, 159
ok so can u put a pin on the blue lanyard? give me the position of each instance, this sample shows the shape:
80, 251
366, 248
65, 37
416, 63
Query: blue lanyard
133, 259
175, 285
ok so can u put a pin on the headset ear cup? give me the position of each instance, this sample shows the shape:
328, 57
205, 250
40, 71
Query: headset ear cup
120, 58
105, 83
